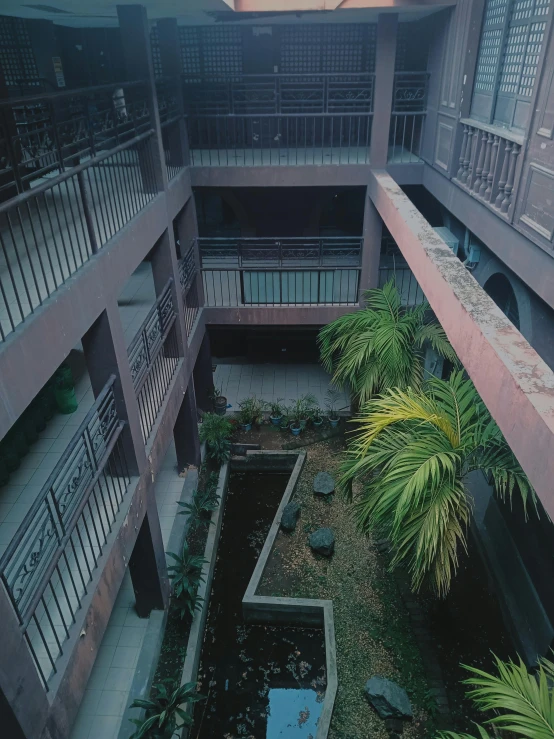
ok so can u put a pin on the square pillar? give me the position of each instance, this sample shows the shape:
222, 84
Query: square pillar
170, 57
164, 265
385, 60
371, 248
147, 564
185, 431
203, 375
135, 41
106, 355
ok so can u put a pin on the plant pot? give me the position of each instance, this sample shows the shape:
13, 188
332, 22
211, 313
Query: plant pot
296, 429
276, 420
303, 422
66, 400
246, 426
317, 422
284, 427
220, 405
334, 422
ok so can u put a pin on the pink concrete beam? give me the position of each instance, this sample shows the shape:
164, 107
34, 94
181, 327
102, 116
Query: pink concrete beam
260, 6
514, 382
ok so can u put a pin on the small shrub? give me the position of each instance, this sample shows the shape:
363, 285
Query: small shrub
163, 709
251, 411
215, 431
203, 502
186, 577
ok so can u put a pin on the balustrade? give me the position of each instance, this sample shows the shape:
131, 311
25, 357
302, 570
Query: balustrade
488, 164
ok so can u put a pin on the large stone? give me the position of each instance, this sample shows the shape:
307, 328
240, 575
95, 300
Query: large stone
388, 698
290, 516
324, 484
322, 542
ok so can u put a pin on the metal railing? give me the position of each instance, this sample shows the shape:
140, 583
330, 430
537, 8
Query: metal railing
409, 106
153, 358
47, 134
488, 164
49, 563
188, 279
278, 94
286, 271
51, 230
171, 116
411, 293
265, 139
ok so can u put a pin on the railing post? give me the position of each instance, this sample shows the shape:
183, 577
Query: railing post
492, 169
506, 202
86, 199
504, 174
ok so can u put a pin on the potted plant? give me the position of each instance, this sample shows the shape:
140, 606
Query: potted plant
316, 416
275, 408
284, 423
215, 431
163, 709
219, 401
64, 389
296, 413
331, 400
307, 403
251, 412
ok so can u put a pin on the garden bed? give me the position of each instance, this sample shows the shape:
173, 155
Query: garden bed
373, 631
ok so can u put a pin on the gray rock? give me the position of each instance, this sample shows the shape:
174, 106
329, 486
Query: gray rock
290, 516
324, 484
388, 698
322, 542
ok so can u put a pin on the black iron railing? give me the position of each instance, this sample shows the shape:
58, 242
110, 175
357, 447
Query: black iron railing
188, 278
51, 230
278, 94
50, 133
171, 117
409, 107
153, 358
49, 563
286, 271
411, 293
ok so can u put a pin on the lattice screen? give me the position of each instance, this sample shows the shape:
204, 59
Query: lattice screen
491, 45
327, 48
189, 39
222, 50
155, 47
300, 49
16, 55
523, 47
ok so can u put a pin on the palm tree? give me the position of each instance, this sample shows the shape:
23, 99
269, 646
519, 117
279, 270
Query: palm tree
412, 452
381, 346
523, 704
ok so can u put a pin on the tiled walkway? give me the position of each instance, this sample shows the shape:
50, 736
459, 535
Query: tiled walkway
107, 694
274, 381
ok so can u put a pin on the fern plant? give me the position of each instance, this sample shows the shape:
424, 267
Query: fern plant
204, 501
520, 704
163, 709
186, 575
216, 431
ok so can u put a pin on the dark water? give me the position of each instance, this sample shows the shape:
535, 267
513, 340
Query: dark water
262, 682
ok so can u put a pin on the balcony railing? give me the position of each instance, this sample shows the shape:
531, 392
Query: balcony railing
411, 293
280, 271
188, 278
50, 561
408, 116
153, 358
279, 119
488, 164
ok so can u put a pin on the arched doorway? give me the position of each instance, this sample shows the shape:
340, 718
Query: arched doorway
498, 287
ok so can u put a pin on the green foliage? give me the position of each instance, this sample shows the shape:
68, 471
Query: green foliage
275, 407
520, 703
381, 346
215, 431
302, 408
163, 709
186, 575
251, 411
411, 454
204, 501
331, 399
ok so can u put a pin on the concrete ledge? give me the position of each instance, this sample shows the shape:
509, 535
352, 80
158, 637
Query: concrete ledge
295, 611
266, 461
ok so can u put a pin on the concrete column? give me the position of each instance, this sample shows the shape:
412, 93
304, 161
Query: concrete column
164, 266
185, 431
203, 375
135, 40
105, 355
23, 703
187, 230
385, 59
147, 565
170, 56
371, 248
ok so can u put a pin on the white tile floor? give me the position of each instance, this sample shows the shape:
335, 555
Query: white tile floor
107, 694
274, 381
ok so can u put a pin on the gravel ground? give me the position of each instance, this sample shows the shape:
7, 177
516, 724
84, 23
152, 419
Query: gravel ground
372, 628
